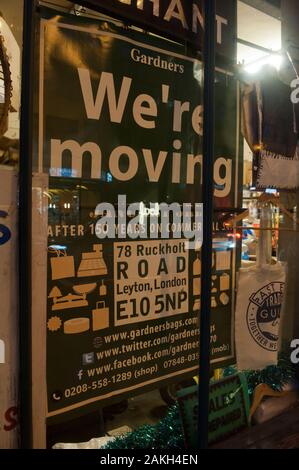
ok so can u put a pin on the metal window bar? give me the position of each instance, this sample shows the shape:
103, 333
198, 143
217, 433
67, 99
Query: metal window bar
207, 190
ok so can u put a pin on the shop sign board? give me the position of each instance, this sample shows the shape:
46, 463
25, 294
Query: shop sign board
120, 136
228, 409
180, 19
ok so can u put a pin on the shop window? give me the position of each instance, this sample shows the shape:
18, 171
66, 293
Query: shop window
258, 27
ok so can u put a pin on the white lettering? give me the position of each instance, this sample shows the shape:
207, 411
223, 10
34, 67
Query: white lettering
224, 181
220, 22
295, 353
295, 93
140, 109
197, 19
175, 10
114, 163
192, 161
127, 170
77, 151
106, 86
179, 109
197, 120
156, 6
154, 172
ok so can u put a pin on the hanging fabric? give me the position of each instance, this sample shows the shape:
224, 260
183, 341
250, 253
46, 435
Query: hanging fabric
270, 129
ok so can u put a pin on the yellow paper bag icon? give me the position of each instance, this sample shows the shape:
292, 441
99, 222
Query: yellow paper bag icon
224, 282
100, 317
62, 267
196, 286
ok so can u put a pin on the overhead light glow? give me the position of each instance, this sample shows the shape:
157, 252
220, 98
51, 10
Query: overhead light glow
275, 60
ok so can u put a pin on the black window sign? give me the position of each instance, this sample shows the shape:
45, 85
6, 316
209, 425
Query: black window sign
121, 307
179, 19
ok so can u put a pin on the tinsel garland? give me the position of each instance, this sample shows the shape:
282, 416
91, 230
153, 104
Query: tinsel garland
274, 376
168, 433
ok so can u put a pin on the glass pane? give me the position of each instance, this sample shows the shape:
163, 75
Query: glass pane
120, 306
259, 28
255, 59
117, 280
266, 225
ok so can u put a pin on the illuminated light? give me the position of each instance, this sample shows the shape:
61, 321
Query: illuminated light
258, 147
47, 194
275, 60
58, 247
271, 191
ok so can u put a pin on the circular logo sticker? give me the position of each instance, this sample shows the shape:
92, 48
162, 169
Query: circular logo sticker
263, 315
5, 233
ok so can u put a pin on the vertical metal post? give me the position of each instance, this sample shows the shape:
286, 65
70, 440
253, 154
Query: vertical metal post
208, 193
25, 219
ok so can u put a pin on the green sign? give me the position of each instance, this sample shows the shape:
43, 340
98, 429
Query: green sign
121, 139
228, 409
